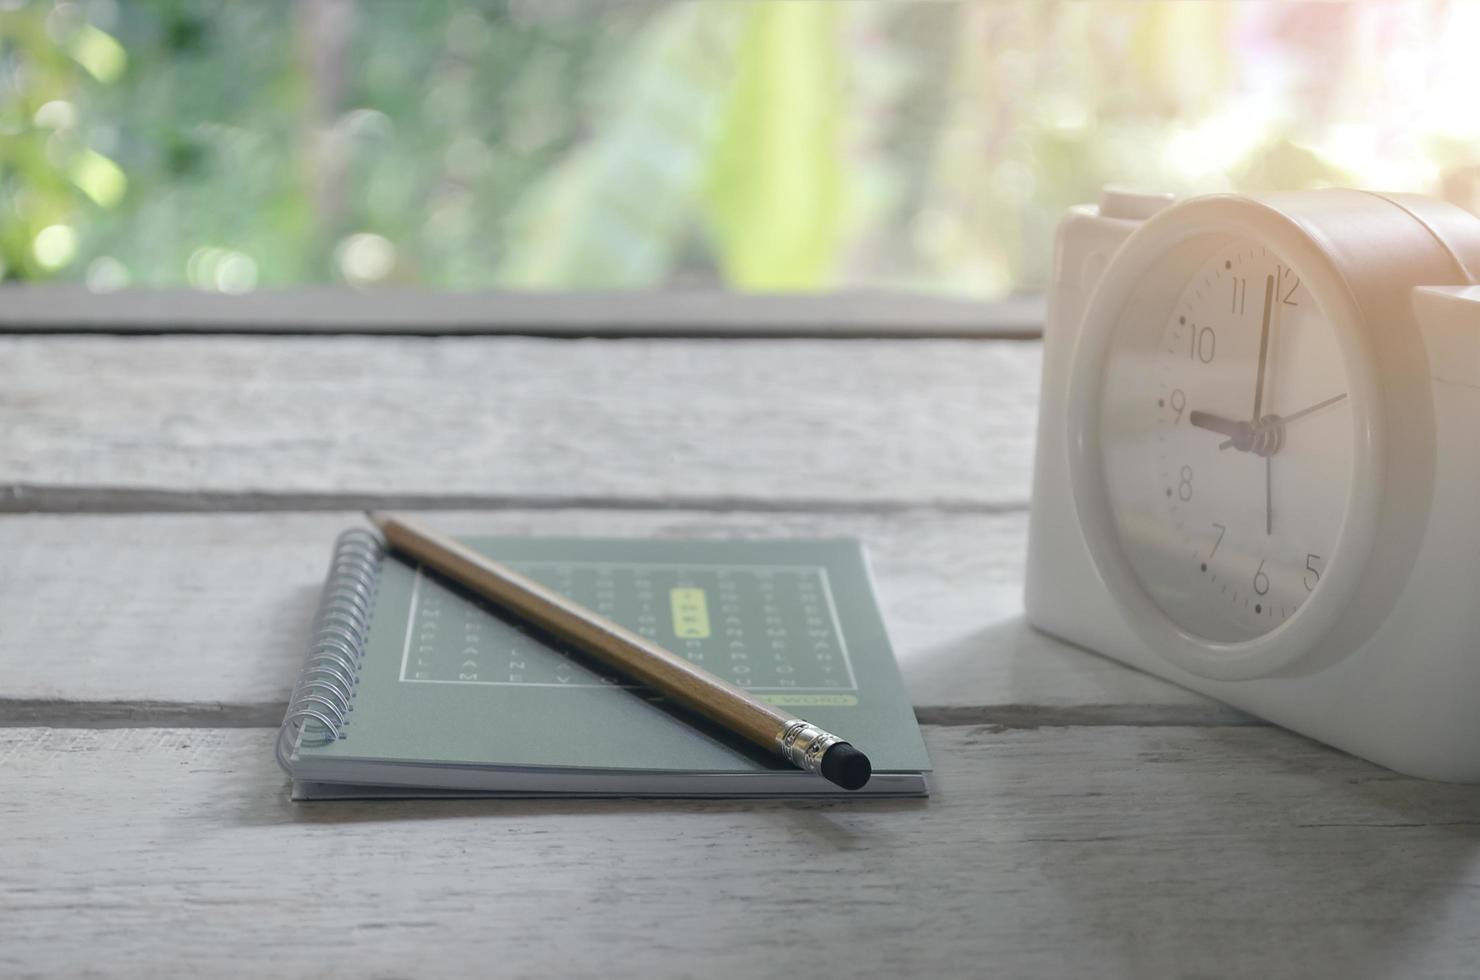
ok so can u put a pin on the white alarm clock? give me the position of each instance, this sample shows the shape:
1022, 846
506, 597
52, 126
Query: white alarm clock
1258, 469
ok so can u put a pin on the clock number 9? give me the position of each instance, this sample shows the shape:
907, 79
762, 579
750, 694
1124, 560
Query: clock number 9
1178, 401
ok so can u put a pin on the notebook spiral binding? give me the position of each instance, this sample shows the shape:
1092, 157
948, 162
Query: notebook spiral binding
319, 708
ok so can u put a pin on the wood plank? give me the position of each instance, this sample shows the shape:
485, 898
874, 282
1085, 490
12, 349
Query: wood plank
644, 312
1109, 852
202, 619
315, 422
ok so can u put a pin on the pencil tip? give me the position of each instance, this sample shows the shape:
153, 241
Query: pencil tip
846, 766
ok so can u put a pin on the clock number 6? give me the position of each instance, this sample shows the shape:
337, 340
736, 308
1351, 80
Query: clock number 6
1312, 574
1261, 581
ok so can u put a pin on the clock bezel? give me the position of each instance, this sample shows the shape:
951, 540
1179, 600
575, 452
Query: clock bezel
1320, 613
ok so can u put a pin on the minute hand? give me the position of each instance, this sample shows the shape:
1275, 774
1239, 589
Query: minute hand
1263, 351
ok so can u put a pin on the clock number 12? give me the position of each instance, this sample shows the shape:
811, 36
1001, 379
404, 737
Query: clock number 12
1288, 283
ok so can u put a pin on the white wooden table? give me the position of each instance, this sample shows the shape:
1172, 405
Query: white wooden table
168, 506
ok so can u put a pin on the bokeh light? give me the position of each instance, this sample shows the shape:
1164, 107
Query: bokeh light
54, 246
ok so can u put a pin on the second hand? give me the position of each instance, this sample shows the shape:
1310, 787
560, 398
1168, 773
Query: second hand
1287, 419
1268, 497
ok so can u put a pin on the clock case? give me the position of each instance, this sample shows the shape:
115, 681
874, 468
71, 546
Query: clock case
1385, 663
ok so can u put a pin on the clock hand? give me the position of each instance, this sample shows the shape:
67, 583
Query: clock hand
1258, 419
1263, 350
1271, 422
1241, 433
1287, 419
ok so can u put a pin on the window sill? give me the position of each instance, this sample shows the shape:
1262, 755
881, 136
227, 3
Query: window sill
654, 313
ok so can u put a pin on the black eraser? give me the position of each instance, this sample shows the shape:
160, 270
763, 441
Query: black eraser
846, 766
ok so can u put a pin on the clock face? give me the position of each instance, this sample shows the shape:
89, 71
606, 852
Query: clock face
1227, 438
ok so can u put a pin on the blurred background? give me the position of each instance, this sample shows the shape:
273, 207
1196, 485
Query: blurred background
540, 144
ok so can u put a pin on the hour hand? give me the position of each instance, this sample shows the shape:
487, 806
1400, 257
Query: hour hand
1241, 433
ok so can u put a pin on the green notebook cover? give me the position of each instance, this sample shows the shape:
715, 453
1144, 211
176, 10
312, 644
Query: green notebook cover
448, 685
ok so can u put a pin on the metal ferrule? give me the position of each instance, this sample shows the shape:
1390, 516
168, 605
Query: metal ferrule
804, 744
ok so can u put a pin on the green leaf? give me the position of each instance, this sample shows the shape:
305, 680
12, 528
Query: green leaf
614, 212
99, 53
775, 198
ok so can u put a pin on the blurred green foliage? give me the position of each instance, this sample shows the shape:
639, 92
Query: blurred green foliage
551, 144
47, 173
778, 186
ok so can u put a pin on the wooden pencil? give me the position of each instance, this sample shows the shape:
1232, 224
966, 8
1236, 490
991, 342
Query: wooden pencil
732, 708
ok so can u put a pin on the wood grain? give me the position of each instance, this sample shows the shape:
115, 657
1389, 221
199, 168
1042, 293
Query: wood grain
1111, 852
201, 619
314, 422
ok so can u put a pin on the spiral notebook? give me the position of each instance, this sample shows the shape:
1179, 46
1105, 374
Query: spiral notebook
413, 687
